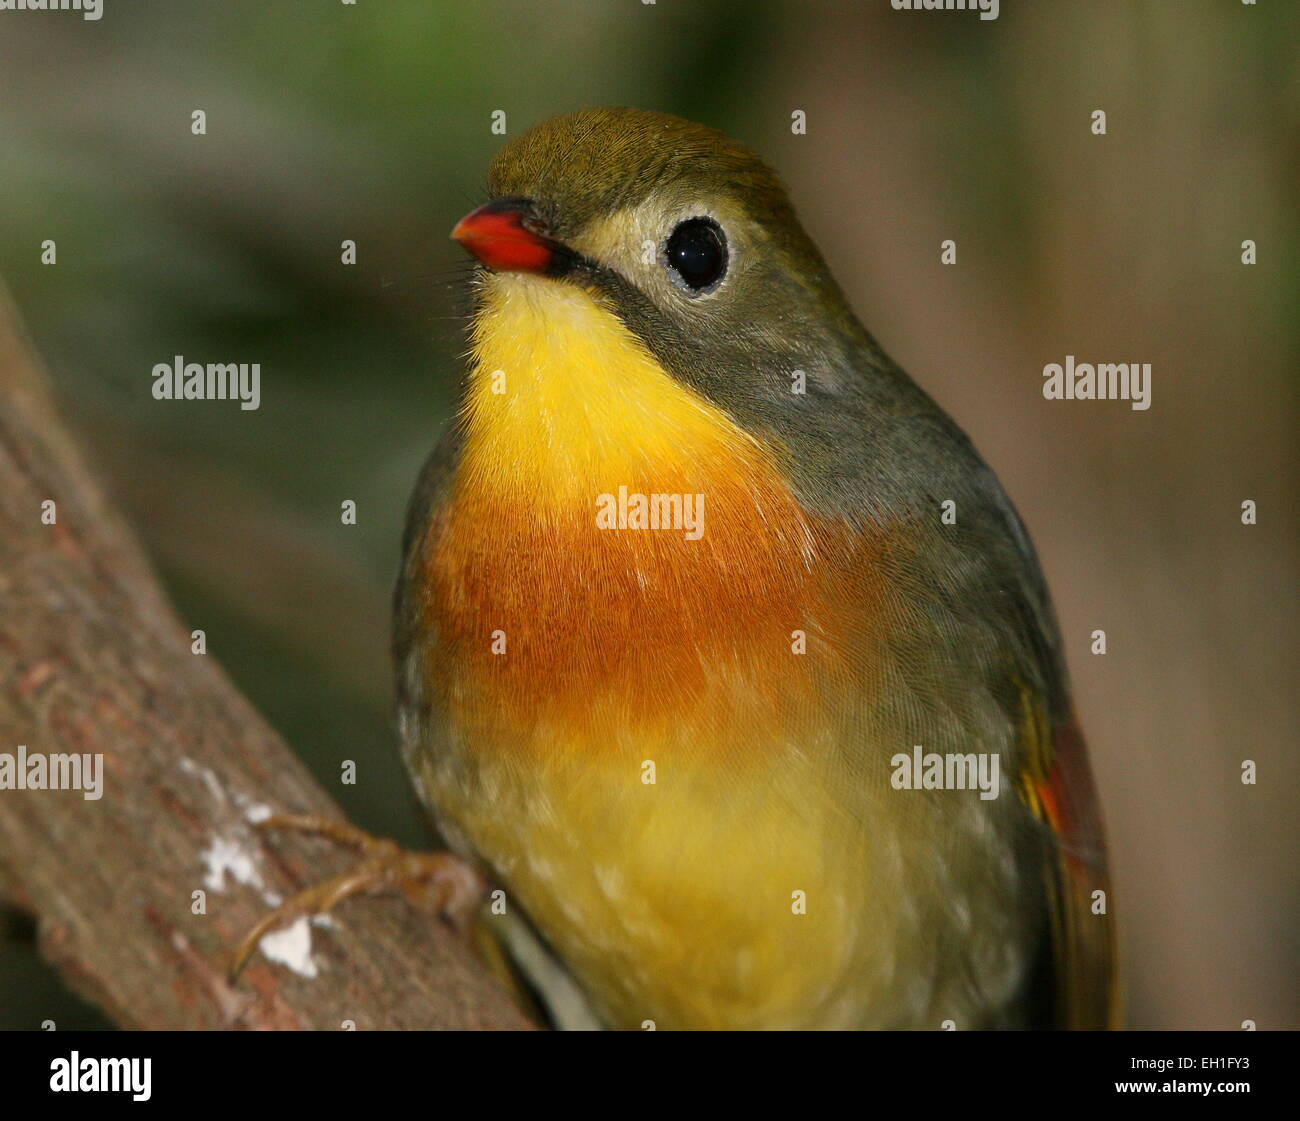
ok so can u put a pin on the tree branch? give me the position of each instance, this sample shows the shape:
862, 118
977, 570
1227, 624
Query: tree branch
93, 660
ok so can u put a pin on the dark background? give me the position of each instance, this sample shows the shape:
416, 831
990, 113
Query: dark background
371, 122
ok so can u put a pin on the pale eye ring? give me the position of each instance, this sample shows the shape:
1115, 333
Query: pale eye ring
696, 253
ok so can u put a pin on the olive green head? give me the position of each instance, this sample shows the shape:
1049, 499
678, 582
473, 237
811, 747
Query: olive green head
691, 238
603, 171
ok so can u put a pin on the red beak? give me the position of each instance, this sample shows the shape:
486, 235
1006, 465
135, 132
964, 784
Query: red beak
497, 235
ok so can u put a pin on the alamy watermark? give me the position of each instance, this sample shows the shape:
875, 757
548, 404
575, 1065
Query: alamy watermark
217, 381
928, 770
1106, 381
90, 1075
89, 9
633, 510
36, 770
988, 9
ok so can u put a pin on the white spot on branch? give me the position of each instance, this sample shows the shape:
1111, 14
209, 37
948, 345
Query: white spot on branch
209, 777
230, 855
291, 947
235, 854
254, 812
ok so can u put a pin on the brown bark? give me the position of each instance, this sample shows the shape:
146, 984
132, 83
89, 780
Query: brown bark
94, 660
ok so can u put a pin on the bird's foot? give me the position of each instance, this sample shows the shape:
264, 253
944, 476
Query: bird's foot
438, 883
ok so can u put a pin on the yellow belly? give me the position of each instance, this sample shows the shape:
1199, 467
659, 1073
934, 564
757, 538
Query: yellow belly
683, 906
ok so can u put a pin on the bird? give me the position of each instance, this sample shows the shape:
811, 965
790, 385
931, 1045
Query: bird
719, 649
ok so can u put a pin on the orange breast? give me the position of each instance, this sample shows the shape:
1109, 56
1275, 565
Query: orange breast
548, 618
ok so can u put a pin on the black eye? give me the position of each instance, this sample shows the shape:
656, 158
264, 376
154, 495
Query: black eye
697, 253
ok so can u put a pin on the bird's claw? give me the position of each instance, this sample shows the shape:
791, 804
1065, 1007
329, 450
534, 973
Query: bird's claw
435, 882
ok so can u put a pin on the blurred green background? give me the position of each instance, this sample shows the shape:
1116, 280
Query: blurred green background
371, 122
